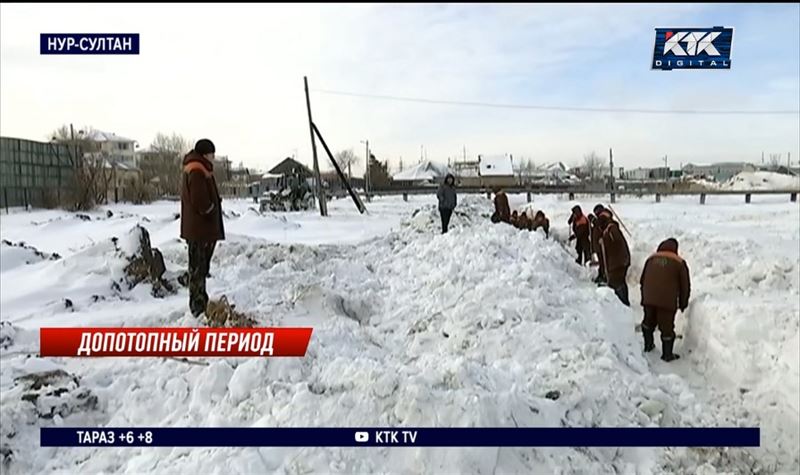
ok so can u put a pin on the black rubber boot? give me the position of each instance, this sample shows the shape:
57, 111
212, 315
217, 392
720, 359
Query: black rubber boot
666, 350
649, 344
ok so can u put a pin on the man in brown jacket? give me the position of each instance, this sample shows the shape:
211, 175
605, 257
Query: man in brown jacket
596, 234
523, 221
201, 219
665, 289
541, 221
616, 256
502, 211
580, 233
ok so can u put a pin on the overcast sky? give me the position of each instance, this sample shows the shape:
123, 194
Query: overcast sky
233, 73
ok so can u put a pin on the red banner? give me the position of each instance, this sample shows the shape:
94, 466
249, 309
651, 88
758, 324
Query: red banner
180, 341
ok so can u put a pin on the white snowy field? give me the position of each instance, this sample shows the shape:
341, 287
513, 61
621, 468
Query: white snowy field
412, 328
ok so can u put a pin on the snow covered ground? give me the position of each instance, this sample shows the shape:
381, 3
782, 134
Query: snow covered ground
412, 328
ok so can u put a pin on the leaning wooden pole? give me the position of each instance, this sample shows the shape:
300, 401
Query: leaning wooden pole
323, 205
361, 208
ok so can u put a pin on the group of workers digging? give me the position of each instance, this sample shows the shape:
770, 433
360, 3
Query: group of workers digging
503, 214
664, 283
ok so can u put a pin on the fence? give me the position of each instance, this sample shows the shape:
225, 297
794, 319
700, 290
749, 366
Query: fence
34, 173
573, 191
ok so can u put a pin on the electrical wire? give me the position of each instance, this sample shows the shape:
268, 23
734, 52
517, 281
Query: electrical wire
558, 108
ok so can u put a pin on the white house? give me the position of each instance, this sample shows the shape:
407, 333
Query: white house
424, 173
117, 149
550, 172
496, 170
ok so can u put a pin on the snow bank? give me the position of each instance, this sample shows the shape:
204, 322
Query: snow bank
742, 327
762, 181
14, 255
484, 326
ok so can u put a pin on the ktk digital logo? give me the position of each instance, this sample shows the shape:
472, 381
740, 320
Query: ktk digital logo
693, 48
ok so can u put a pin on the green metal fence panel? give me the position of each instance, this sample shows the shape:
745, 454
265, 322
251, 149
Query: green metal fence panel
37, 174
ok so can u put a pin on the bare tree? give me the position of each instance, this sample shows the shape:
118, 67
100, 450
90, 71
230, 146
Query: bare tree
92, 170
593, 166
345, 159
161, 165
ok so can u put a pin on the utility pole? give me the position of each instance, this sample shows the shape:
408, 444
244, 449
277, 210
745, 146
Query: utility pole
367, 178
465, 153
74, 146
666, 177
789, 160
323, 205
762, 157
611, 175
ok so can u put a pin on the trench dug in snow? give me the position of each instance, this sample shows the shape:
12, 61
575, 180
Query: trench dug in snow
475, 328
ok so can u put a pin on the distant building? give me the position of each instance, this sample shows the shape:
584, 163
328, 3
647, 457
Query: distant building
123, 177
467, 173
422, 174
115, 148
334, 185
238, 184
555, 173
496, 170
646, 174
290, 166
278, 177
120, 160
719, 172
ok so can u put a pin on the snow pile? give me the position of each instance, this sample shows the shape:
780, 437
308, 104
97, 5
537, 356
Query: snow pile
113, 270
762, 181
14, 255
742, 326
470, 210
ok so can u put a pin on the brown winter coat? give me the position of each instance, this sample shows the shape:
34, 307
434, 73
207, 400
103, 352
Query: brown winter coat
543, 223
616, 254
501, 208
665, 279
597, 235
524, 222
580, 227
201, 205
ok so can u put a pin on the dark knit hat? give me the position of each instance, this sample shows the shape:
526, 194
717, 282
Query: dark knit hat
670, 244
204, 146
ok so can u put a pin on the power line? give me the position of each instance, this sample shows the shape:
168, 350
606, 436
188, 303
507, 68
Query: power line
556, 108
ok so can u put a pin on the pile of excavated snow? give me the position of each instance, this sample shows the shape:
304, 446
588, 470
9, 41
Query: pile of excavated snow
13, 255
485, 326
762, 181
116, 269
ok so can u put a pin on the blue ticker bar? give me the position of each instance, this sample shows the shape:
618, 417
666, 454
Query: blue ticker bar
401, 437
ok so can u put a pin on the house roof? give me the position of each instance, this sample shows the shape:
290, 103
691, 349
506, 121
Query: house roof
100, 136
288, 166
498, 165
422, 171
